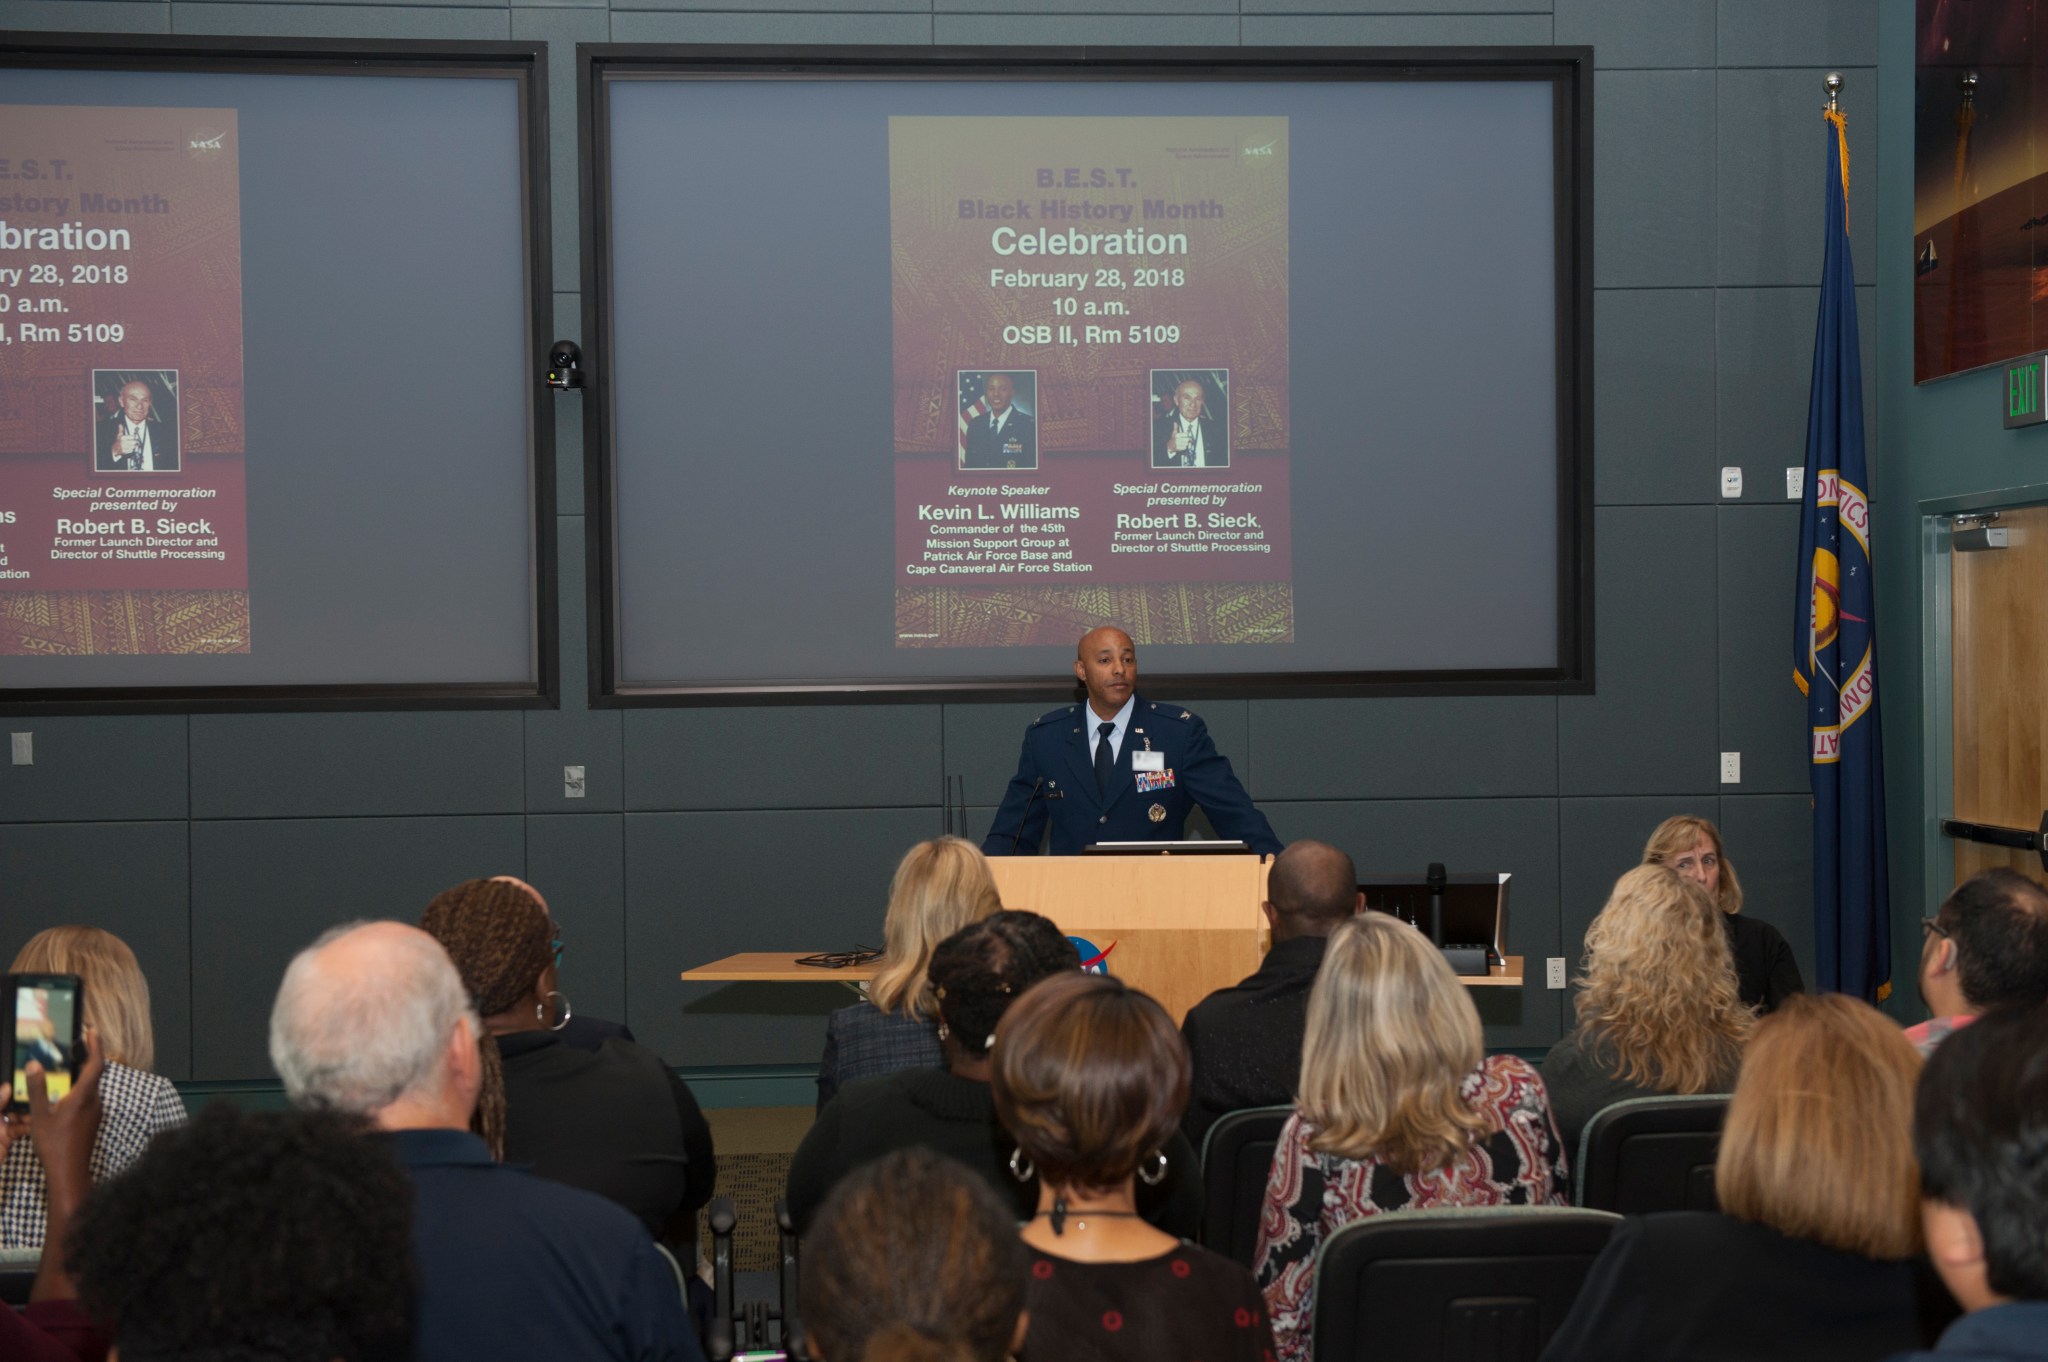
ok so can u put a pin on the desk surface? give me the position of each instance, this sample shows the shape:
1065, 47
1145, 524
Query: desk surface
780, 967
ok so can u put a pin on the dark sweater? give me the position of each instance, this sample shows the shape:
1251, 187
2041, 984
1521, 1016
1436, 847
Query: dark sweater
1582, 1081
1704, 1287
1245, 1040
956, 1117
1766, 971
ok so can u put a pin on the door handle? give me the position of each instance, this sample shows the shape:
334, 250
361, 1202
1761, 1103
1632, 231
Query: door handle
1990, 834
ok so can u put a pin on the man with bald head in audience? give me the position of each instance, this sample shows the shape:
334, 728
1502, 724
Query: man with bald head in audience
1985, 947
1245, 1040
373, 1019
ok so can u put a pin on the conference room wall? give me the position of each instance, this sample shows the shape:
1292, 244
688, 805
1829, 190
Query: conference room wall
218, 845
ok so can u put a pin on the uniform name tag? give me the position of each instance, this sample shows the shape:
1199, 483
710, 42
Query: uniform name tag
1148, 761
1154, 780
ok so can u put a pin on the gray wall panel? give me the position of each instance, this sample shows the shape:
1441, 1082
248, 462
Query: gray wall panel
1467, 835
129, 878
770, 28
1772, 164
578, 863
290, 20
1762, 715
568, 306
704, 885
1764, 344
1476, 747
1653, 197
808, 757
1629, 33
574, 735
1106, 30
87, 16
983, 743
1770, 840
121, 767
1601, 840
1799, 33
1653, 396
1651, 727
343, 765
1395, 30
263, 890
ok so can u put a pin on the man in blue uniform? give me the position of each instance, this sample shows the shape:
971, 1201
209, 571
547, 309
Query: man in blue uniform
1119, 768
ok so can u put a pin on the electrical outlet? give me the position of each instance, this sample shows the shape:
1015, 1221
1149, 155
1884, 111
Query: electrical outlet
1731, 768
572, 782
1553, 972
24, 748
1795, 482
1731, 482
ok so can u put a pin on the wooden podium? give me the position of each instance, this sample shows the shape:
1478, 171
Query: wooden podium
1176, 927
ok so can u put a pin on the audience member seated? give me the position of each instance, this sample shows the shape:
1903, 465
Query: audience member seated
1400, 1109
373, 1019
1658, 1010
940, 887
1766, 971
138, 1104
1245, 1040
614, 1120
1820, 1199
1985, 947
53, 1328
1980, 1128
1090, 1077
913, 1259
282, 1236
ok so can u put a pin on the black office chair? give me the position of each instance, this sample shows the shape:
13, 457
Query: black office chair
1237, 1158
1652, 1154
759, 1327
1480, 1284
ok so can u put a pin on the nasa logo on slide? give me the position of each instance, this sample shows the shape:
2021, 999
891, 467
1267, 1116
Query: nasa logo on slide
206, 143
1093, 961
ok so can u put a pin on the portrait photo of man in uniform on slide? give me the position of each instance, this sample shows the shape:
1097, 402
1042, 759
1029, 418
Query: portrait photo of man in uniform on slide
135, 420
998, 418
1191, 418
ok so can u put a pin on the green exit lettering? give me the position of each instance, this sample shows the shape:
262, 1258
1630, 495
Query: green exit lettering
2023, 390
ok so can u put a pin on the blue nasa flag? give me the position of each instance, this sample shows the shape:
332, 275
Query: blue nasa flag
1834, 633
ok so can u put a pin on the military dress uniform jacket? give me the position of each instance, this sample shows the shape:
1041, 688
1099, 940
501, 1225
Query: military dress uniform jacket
1059, 750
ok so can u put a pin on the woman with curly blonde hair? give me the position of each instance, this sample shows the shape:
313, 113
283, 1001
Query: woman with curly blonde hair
940, 886
1766, 971
1401, 1108
1658, 1008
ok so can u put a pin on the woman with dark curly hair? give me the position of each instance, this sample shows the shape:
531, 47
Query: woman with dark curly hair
1090, 1077
616, 1120
913, 1259
976, 973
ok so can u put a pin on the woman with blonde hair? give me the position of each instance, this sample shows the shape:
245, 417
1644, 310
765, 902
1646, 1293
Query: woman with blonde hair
940, 886
136, 1104
1657, 1007
1401, 1108
1766, 971
1810, 1256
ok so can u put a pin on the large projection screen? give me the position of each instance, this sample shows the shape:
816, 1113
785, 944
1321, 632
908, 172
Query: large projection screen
272, 433
912, 366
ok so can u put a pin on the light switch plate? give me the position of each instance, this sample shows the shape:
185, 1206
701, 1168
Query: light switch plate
1731, 768
1731, 482
572, 782
1553, 972
24, 748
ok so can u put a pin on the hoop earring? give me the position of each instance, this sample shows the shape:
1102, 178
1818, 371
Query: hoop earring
1152, 1177
566, 1013
1020, 1167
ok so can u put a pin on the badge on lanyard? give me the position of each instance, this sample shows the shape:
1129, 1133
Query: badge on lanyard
1148, 761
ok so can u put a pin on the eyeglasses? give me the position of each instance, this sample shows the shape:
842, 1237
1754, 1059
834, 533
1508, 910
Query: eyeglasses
859, 955
1929, 927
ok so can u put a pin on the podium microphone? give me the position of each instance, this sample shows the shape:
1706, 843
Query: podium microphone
1037, 784
1436, 879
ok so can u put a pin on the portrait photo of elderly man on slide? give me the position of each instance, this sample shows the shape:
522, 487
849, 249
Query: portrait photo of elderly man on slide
135, 425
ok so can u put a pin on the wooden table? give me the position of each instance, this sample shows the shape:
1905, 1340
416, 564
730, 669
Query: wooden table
780, 967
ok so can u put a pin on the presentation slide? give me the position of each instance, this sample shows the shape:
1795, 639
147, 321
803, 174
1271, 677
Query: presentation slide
122, 438
268, 400
1272, 374
1091, 374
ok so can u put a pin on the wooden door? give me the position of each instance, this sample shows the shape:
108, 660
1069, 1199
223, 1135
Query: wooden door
1999, 688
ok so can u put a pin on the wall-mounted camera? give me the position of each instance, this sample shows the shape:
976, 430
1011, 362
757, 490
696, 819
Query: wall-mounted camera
565, 366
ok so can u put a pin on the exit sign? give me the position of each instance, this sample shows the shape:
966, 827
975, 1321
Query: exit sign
2023, 406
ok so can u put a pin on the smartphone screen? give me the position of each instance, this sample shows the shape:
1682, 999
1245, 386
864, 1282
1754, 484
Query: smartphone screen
45, 1030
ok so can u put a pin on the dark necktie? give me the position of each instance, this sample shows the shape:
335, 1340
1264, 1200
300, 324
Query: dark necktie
1105, 760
